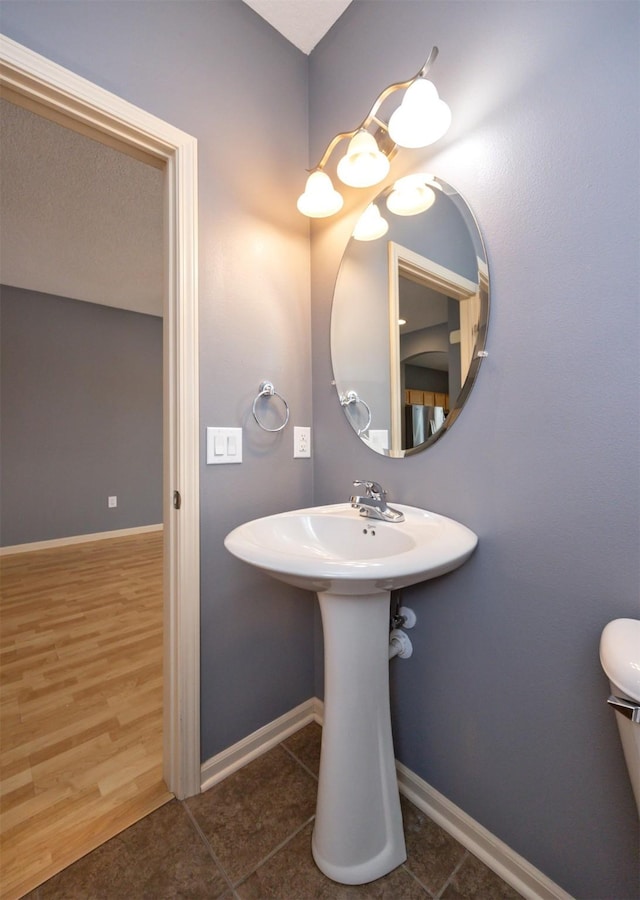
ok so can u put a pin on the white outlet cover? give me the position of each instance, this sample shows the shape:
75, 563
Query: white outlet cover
301, 442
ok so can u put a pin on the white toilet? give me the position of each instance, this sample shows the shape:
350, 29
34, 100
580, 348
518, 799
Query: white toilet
620, 659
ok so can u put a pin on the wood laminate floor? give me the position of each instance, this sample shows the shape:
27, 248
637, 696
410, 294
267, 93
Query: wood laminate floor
81, 701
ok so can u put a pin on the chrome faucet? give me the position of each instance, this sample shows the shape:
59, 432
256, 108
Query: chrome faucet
373, 505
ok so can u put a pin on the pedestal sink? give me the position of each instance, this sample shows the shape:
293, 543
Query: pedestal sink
353, 563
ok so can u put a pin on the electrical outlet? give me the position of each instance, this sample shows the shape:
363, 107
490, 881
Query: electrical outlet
301, 442
112, 502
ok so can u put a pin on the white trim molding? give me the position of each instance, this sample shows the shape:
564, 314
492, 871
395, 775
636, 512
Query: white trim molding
238, 755
494, 853
79, 539
85, 106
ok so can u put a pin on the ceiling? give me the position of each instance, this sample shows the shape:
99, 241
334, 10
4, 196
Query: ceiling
79, 219
66, 232
303, 22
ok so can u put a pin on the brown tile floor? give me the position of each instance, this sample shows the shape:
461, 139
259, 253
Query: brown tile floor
249, 838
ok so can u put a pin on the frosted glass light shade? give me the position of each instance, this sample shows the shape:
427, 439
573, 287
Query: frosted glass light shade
320, 199
421, 119
363, 164
410, 196
370, 226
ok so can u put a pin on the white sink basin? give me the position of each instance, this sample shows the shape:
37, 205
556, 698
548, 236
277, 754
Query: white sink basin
333, 548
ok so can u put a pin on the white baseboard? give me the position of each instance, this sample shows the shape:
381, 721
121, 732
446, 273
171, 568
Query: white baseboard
78, 539
493, 852
235, 757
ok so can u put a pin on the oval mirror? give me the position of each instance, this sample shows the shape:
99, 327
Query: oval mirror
409, 315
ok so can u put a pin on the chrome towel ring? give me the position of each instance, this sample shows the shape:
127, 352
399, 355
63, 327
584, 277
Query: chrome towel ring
268, 390
350, 397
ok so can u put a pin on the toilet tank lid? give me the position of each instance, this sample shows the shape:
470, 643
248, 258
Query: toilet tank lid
620, 655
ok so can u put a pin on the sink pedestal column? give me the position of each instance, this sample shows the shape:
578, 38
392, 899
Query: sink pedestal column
358, 833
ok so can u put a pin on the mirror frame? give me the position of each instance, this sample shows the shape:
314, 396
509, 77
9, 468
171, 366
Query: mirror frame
407, 262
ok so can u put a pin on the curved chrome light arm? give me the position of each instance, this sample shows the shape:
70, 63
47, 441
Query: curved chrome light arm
371, 116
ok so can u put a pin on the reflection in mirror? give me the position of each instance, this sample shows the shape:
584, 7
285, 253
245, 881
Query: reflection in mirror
408, 322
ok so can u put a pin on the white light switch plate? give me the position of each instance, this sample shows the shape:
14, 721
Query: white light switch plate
224, 445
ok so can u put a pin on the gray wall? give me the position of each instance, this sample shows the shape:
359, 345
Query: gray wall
219, 72
543, 463
502, 705
81, 400
361, 324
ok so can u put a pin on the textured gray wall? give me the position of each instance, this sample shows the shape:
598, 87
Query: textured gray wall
219, 72
543, 463
502, 705
81, 399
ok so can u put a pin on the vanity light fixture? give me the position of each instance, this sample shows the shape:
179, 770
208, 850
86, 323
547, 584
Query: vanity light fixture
411, 195
371, 225
422, 117
364, 164
320, 199
420, 120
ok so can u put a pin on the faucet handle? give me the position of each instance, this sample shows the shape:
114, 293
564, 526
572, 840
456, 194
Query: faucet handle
372, 488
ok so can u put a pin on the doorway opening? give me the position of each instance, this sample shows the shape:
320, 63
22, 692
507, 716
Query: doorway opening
54, 92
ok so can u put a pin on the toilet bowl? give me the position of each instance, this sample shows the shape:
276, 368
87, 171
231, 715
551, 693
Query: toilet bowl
620, 659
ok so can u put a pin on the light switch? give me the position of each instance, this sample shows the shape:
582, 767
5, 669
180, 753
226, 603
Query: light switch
224, 445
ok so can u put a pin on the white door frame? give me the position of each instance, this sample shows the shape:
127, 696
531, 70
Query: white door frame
69, 98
